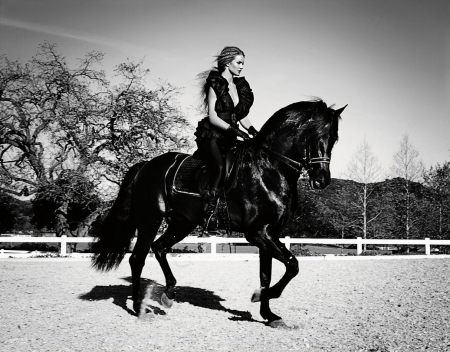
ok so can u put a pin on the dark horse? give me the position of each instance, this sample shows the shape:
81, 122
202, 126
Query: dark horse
260, 201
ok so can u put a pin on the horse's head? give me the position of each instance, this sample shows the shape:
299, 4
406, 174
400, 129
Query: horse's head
306, 133
317, 142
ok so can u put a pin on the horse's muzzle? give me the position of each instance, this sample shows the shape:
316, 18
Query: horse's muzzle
319, 180
318, 184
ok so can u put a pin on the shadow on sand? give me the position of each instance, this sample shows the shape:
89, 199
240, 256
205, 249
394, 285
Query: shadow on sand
184, 294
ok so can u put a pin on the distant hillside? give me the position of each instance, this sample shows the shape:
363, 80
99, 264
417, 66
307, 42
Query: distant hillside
331, 213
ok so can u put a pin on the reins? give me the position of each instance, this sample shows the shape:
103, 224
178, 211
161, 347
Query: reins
285, 160
297, 166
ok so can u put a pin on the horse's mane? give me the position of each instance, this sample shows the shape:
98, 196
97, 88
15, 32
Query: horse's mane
313, 117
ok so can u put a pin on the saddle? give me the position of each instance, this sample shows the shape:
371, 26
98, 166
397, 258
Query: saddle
191, 175
190, 178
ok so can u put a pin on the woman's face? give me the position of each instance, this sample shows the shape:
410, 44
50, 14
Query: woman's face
237, 65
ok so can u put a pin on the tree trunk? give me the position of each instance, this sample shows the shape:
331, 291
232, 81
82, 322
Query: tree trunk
407, 215
85, 225
365, 215
61, 225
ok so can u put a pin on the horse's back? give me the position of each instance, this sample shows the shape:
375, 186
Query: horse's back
150, 186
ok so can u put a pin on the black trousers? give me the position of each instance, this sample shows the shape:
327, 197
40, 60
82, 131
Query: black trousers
212, 151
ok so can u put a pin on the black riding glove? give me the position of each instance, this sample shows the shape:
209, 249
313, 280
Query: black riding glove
238, 132
252, 130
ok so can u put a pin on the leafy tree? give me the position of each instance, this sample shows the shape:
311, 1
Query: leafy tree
6, 213
437, 179
67, 135
15, 215
343, 215
321, 213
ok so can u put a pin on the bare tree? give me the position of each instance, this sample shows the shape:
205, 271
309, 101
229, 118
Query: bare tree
407, 166
67, 135
365, 169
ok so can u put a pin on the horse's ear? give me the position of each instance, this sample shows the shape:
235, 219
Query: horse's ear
339, 112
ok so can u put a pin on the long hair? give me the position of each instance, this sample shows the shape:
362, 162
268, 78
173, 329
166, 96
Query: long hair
222, 60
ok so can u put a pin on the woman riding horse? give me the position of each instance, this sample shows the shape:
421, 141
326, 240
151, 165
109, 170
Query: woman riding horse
227, 98
263, 199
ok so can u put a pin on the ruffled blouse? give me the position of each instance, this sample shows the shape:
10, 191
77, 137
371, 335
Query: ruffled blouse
224, 103
224, 106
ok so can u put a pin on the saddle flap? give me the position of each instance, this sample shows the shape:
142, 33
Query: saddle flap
191, 175
233, 164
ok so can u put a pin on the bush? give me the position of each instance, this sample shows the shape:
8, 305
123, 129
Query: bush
369, 252
184, 250
30, 246
298, 251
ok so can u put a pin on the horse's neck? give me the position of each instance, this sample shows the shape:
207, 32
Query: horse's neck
265, 159
265, 179
283, 146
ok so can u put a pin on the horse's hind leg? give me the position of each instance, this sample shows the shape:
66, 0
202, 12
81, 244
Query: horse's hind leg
178, 229
146, 234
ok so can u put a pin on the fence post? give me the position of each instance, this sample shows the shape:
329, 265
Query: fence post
427, 246
358, 245
64, 245
213, 245
287, 242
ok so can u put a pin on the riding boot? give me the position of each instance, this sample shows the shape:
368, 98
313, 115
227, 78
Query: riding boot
210, 200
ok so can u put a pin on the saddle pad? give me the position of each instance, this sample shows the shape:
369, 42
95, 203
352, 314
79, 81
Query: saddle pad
187, 176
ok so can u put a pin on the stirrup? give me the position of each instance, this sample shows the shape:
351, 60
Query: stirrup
214, 232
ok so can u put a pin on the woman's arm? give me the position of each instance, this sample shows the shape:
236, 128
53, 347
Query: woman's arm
245, 122
213, 118
217, 121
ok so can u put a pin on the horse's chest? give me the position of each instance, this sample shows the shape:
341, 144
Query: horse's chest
267, 198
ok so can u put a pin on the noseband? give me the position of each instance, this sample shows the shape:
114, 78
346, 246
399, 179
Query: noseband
319, 160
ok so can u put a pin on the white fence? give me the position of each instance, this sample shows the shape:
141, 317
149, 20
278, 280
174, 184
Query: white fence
288, 241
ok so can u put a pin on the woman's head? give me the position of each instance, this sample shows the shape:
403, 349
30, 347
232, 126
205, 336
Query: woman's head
231, 56
226, 56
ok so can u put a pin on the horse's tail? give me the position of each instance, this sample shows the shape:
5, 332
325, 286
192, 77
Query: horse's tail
118, 228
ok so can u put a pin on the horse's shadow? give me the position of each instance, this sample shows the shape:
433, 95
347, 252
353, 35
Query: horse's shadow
184, 294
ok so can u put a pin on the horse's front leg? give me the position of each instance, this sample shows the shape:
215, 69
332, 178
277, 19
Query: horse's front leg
262, 294
272, 248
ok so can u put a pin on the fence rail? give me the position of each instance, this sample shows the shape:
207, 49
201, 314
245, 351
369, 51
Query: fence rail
213, 240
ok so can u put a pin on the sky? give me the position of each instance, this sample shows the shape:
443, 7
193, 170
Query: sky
389, 60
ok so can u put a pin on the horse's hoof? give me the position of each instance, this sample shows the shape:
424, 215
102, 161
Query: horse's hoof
256, 297
166, 301
278, 324
137, 307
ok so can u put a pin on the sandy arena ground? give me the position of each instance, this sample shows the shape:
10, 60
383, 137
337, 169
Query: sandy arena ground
345, 305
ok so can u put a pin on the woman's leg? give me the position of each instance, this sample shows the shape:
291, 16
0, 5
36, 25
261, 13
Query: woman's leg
212, 156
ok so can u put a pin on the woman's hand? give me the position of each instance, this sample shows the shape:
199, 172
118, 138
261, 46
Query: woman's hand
238, 132
252, 130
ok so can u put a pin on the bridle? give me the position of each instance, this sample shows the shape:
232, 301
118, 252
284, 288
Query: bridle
306, 162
